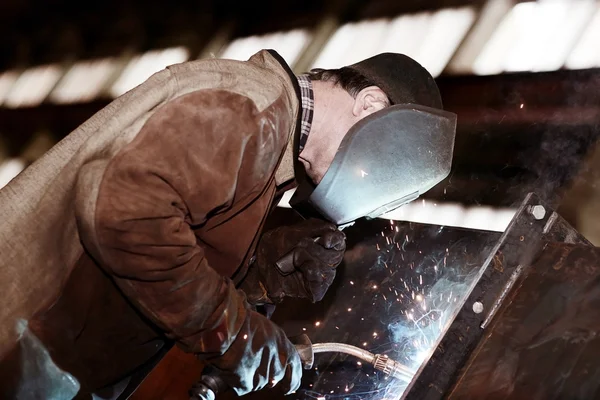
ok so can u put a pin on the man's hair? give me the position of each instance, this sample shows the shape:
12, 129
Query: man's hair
350, 80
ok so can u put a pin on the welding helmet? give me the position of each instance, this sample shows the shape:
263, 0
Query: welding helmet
390, 157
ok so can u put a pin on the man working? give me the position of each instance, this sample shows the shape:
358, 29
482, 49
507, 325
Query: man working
143, 226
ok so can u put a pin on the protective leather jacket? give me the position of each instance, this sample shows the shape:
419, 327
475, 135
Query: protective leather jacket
136, 226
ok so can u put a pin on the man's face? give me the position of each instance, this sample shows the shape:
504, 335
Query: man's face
335, 113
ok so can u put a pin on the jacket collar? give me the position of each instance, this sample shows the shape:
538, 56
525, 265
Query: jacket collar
289, 167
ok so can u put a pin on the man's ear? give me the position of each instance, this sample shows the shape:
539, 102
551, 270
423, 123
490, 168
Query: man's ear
369, 100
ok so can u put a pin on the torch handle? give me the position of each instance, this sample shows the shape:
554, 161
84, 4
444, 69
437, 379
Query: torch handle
211, 384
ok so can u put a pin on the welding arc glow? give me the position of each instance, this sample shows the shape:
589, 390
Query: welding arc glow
428, 297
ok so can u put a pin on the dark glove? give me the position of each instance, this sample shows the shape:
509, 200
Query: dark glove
260, 356
317, 248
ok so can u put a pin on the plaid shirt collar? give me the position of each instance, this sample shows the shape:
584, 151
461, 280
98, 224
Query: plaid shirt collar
308, 108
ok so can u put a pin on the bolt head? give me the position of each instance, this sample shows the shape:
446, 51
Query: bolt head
538, 212
478, 307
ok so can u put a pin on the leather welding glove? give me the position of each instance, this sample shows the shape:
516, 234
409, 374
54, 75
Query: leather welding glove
317, 248
261, 355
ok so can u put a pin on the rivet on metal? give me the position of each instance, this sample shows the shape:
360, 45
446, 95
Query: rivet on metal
477, 307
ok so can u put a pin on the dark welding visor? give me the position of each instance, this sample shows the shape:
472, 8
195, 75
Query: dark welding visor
385, 160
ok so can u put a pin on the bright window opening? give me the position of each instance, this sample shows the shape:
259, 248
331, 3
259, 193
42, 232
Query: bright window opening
289, 45
33, 86
84, 81
142, 67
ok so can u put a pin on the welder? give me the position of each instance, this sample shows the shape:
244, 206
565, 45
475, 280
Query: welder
144, 226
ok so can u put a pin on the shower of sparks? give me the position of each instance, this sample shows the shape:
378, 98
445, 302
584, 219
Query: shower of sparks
421, 288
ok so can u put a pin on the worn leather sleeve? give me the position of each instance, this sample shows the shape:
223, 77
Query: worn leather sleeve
181, 169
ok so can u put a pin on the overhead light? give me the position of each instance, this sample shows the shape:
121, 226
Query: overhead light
453, 214
447, 29
33, 86
564, 26
443, 213
7, 80
489, 18
546, 34
586, 53
429, 38
491, 59
367, 38
84, 81
9, 169
288, 44
535, 36
337, 47
142, 67
406, 34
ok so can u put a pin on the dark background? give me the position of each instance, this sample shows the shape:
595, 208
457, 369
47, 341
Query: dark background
517, 132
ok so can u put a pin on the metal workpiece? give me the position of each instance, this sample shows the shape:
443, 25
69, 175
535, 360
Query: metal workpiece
455, 313
518, 245
538, 336
544, 341
395, 296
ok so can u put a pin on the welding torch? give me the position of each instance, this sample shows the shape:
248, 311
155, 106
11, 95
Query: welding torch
210, 385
